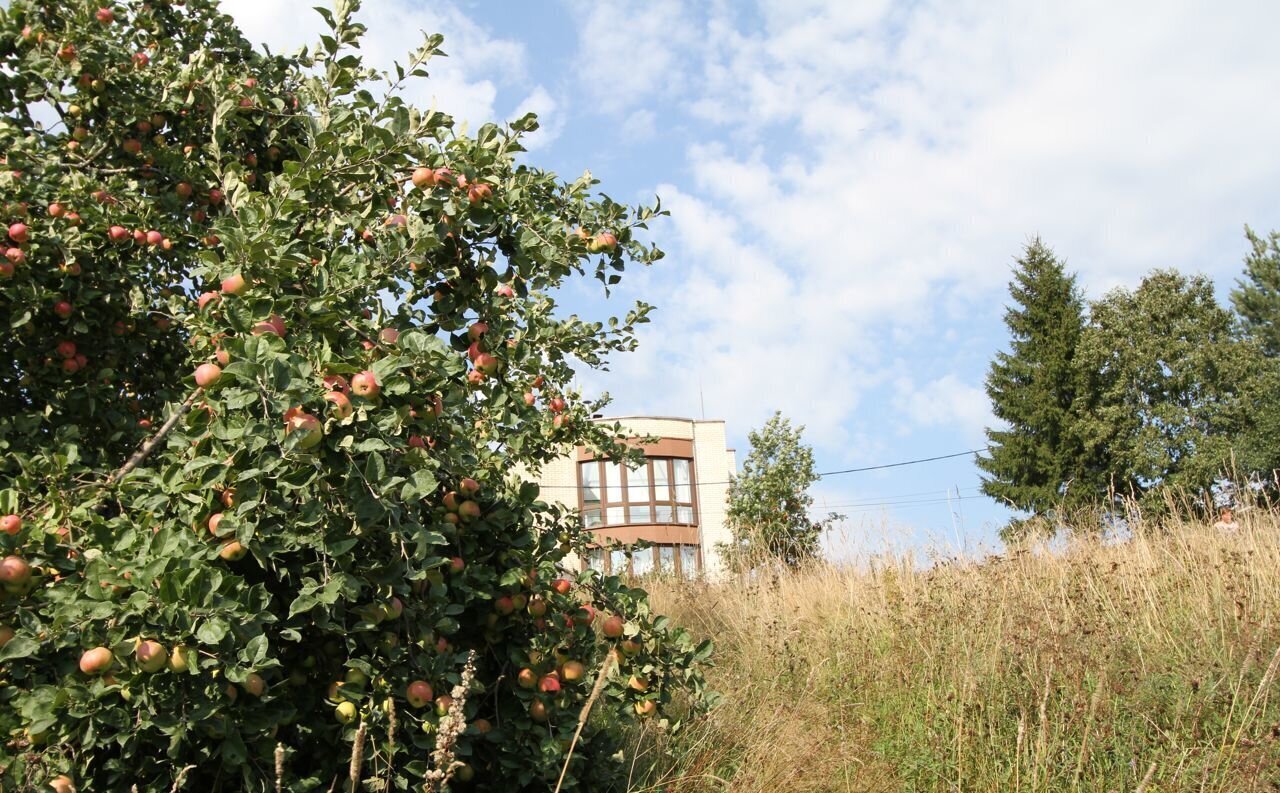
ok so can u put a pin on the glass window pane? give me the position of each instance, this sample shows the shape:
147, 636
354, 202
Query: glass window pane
661, 485
613, 483
595, 559
614, 517
638, 486
662, 513
666, 559
642, 561
684, 514
689, 560
684, 493
641, 514
590, 478
590, 518
618, 561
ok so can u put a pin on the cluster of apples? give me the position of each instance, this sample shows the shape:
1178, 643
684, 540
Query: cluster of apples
429, 178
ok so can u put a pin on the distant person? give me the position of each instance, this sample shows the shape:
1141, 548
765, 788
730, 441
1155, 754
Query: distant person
1226, 520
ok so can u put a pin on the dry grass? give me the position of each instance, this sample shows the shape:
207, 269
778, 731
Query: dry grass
1079, 669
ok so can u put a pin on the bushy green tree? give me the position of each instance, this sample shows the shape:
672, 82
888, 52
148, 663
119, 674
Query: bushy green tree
268, 338
1173, 394
1257, 297
769, 501
1034, 459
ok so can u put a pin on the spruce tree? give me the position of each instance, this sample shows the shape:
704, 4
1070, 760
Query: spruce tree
1257, 299
1033, 385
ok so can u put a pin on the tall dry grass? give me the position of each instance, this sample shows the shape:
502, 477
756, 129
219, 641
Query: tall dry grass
1149, 664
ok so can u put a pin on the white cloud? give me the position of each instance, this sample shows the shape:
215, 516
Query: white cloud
551, 118
465, 84
630, 52
946, 402
876, 166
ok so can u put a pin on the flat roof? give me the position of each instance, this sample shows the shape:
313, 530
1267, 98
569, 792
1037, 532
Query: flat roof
661, 418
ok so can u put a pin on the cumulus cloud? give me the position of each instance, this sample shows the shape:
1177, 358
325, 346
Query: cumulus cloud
875, 167
466, 84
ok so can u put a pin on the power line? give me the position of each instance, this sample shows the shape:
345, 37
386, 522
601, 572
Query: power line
826, 473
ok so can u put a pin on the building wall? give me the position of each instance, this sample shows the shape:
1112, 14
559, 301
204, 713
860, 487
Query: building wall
713, 465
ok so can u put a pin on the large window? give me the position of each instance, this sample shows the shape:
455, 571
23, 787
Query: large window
660, 491
665, 560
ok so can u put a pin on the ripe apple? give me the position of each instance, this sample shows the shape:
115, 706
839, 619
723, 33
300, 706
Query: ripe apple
205, 299
637, 684
215, 196
18, 232
151, 655
537, 606
556, 405
232, 551
573, 671
15, 573
207, 375
6, 269
223, 356
15, 256
184, 190
469, 510
228, 497
96, 661
62, 784
504, 290
469, 486
399, 221
423, 178
477, 193
345, 712
477, 330
63, 309
272, 325
487, 364
366, 384
550, 683
585, 615
393, 609
132, 146
297, 420
538, 710
529, 398
504, 605
562, 586
6, 635
456, 564
141, 59
118, 233
336, 382
419, 693
444, 176
140, 236
11, 524
389, 336
646, 708
527, 679
57, 210
154, 237
254, 685
104, 15
234, 284
339, 405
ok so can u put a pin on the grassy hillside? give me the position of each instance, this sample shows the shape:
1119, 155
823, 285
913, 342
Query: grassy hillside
1149, 665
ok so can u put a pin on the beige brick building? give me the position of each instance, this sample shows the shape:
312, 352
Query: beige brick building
676, 501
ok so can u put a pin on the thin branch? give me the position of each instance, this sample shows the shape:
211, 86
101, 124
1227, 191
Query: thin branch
605, 668
149, 446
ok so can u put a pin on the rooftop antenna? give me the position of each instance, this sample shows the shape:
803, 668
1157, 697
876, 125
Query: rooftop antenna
702, 401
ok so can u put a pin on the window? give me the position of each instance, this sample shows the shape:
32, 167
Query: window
664, 560
659, 491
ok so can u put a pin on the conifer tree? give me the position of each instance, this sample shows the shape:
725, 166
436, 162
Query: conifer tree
1033, 385
1257, 299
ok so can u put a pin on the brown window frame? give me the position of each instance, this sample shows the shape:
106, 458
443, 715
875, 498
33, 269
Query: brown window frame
604, 504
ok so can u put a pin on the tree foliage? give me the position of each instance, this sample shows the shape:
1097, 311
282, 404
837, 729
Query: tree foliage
334, 515
769, 501
1172, 394
1257, 297
1033, 459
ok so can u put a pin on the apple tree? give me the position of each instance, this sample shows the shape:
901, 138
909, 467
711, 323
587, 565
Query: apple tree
280, 353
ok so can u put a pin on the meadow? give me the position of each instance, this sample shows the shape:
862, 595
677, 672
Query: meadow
1147, 664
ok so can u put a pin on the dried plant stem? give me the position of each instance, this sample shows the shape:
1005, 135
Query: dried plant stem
451, 728
181, 778
279, 768
357, 757
605, 668
151, 443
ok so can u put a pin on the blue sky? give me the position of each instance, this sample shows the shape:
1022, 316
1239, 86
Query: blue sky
849, 183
